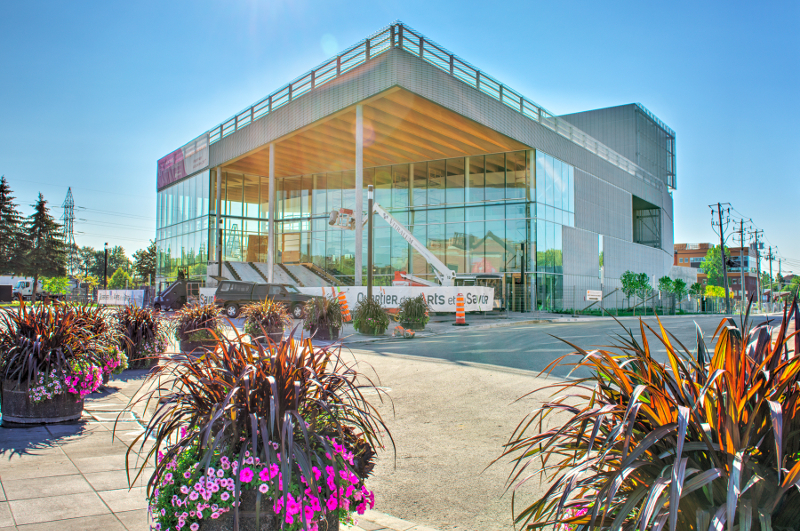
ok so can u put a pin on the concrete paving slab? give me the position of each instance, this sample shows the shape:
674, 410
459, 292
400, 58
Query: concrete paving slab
387, 521
87, 465
106, 522
135, 520
38, 469
115, 479
52, 508
121, 500
23, 489
365, 525
6, 519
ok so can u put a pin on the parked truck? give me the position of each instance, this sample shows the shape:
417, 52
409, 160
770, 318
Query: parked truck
24, 288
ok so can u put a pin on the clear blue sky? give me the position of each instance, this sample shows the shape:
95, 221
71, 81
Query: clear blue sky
93, 93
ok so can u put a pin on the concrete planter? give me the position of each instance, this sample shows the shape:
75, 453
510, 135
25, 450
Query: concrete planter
416, 327
324, 333
18, 409
269, 521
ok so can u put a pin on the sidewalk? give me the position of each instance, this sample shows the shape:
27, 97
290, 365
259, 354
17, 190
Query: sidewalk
71, 477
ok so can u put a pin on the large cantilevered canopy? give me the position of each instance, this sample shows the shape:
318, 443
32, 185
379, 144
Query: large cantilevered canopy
399, 127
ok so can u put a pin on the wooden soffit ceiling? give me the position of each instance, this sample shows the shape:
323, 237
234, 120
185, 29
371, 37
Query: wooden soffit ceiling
399, 127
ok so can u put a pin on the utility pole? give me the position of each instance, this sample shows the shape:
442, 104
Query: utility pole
741, 261
771, 257
722, 248
758, 267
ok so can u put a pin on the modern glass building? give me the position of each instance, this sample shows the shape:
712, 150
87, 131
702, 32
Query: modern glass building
493, 184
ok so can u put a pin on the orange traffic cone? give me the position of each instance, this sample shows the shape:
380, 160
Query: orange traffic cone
461, 316
345, 309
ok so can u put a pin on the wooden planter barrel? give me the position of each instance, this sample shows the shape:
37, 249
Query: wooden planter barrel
18, 408
197, 347
416, 327
369, 331
324, 333
275, 337
269, 521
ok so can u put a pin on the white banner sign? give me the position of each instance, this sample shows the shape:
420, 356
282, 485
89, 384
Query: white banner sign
206, 295
120, 297
440, 299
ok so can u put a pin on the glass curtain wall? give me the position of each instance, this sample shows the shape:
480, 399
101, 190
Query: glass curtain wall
472, 212
182, 212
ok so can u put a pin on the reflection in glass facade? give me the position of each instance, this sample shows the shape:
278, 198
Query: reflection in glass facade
182, 227
472, 212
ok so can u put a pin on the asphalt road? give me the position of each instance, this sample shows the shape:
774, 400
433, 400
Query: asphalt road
455, 400
533, 347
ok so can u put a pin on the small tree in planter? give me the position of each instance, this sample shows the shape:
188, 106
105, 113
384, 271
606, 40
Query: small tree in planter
266, 319
414, 313
144, 334
369, 317
50, 359
323, 317
250, 437
197, 326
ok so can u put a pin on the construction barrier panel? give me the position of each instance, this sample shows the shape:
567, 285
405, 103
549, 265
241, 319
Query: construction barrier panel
439, 299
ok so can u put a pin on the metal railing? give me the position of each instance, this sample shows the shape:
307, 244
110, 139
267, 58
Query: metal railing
399, 35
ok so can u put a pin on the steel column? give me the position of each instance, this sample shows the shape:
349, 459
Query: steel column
271, 221
359, 206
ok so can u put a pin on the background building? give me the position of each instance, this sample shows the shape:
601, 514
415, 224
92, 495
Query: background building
692, 255
487, 179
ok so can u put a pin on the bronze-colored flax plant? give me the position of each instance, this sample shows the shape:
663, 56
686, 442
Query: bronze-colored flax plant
706, 440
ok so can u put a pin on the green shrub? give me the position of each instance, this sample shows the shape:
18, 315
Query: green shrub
370, 317
414, 311
323, 312
705, 440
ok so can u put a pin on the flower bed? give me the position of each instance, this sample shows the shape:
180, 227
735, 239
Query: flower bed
188, 497
283, 428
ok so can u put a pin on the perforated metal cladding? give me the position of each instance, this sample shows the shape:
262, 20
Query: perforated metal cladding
398, 67
602, 208
362, 82
580, 253
621, 256
628, 130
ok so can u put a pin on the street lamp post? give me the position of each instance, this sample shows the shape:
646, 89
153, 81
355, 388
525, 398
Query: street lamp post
105, 266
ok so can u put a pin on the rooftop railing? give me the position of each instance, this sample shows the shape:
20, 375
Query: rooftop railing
399, 35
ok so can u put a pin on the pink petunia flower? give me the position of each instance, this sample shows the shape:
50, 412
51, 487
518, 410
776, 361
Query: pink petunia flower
246, 475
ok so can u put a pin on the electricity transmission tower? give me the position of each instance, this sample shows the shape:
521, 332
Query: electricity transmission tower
69, 228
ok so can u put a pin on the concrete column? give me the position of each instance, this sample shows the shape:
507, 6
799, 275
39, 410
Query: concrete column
271, 221
218, 226
359, 206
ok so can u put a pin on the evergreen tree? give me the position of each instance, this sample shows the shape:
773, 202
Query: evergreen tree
11, 260
145, 263
45, 251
